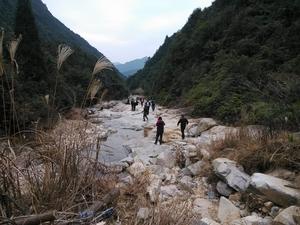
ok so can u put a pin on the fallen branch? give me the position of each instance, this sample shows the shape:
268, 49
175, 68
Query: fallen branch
35, 219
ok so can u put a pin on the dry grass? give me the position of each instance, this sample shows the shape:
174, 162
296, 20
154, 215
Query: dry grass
260, 151
56, 171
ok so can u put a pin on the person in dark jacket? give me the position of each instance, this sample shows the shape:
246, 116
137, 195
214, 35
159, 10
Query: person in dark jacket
153, 105
145, 112
160, 130
183, 122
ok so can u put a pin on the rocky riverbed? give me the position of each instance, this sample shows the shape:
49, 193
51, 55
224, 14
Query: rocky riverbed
178, 169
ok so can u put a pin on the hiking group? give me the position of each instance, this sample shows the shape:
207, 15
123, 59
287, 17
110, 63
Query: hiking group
183, 122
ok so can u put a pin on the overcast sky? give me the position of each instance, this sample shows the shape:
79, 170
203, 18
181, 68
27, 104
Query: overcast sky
124, 30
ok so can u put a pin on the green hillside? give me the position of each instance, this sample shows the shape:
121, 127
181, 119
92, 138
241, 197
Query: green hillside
37, 55
237, 61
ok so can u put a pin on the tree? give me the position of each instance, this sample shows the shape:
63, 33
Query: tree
33, 81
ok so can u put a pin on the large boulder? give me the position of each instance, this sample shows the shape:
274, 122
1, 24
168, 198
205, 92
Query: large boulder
289, 216
167, 159
227, 211
204, 124
275, 189
228, 171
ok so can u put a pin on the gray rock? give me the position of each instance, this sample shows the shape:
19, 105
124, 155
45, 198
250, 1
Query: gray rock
252, 220
143, 213
204, 124
229, 172
167, 159
223, 189
196, 168
187, 181
186, 172
227, 211
289, 216
275, 189
169, 191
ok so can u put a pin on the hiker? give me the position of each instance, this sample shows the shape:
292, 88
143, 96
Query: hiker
132, 104
183, 122
142, 102
160, 130
153, 105
145, 112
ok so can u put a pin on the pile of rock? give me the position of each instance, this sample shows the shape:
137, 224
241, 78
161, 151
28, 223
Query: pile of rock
278, 199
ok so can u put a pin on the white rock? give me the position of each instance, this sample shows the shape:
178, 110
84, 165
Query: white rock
143, 213
289, 216
196, 168
252, 220
228, 171
207, 221
153, 189
202, 206
275, 189
223, 189
227, 211
136, 169
167, 159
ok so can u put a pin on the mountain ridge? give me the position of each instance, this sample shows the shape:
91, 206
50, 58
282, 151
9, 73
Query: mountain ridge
237, 61
131, 67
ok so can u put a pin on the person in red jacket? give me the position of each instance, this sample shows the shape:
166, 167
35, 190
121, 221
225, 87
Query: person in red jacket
160, 130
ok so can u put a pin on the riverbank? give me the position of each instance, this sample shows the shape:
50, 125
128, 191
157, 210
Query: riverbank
217, 175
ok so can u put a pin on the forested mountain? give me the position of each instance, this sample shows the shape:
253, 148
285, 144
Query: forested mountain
37, 57
131, 67
238, 61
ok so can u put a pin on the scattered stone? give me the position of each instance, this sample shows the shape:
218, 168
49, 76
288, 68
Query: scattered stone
207, 221
289, 216
223, 189
153, 189
169, 191
143, 213
269, 205
275, 189
196, 168
136, 169
252, 220
202, 206
274, 211
227, 211
127, 180
228, 171
187, 181
167, 159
